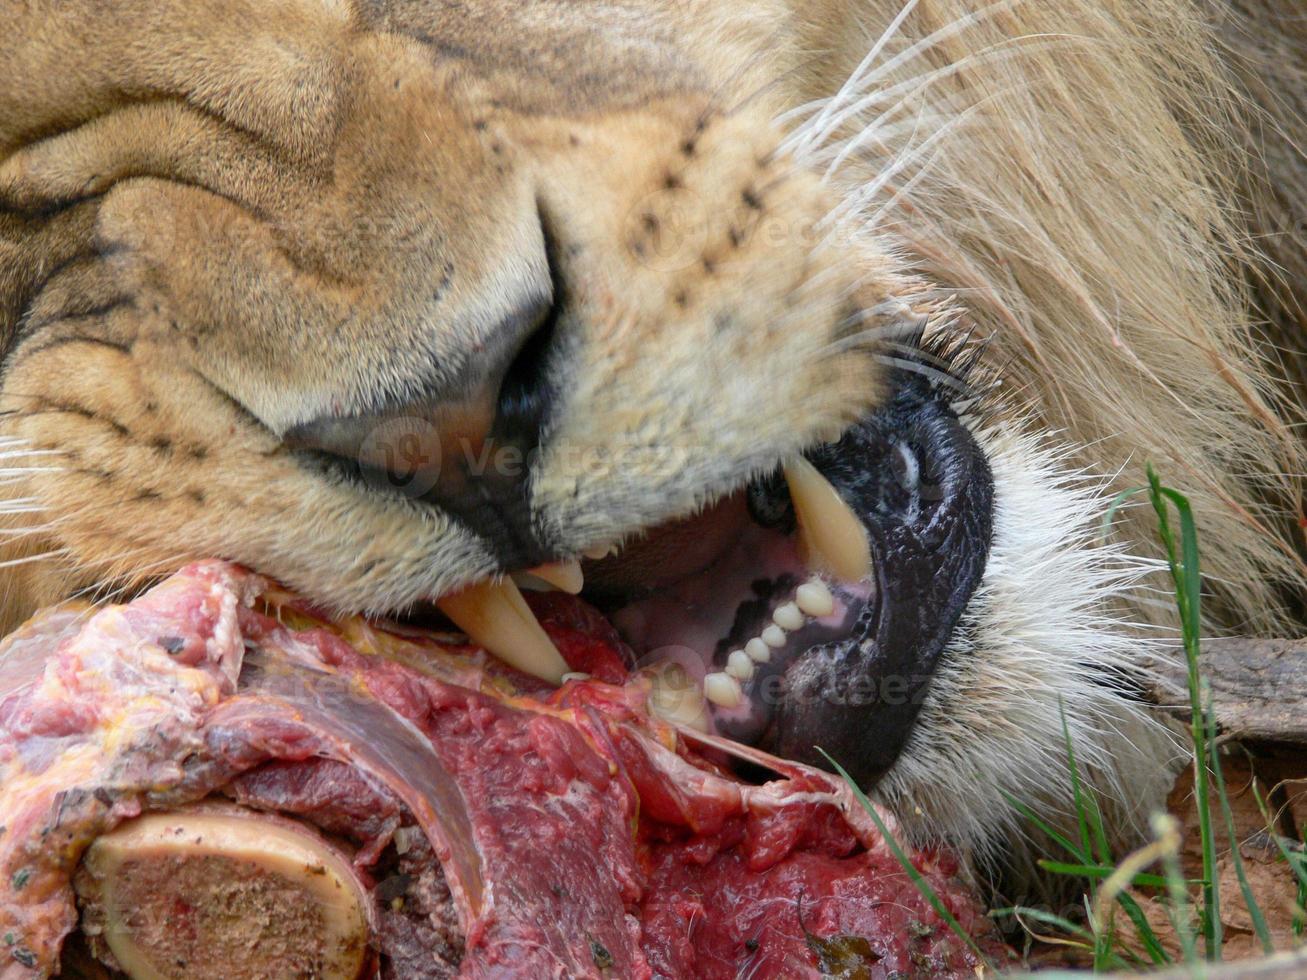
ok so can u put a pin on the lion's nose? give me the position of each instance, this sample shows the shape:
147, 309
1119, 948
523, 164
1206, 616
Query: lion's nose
469, 452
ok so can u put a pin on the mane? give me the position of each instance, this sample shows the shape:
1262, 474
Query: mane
1067, 173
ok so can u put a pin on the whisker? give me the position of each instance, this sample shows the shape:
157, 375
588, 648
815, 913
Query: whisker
29, 559
829, 125
850, 86
925, 370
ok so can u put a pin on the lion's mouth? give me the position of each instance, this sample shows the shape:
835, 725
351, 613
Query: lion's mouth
804, 613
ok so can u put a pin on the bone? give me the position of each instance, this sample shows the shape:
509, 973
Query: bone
266, 898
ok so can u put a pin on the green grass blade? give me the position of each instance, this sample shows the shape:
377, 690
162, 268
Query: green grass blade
1100, 871
1250, 900
1187, 581
1043, 825
1297, 862
1152, 945
1117, 502
922, 885
1077, 791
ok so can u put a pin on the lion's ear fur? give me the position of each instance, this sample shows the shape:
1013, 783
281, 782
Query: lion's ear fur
1088, 210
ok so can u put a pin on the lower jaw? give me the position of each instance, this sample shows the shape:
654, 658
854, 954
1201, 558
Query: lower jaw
716, 641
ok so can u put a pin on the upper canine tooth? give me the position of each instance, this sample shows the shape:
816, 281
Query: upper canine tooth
494, 615
830, 535
597, 553
564, 575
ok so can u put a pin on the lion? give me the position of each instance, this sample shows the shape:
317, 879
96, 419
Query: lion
689, 266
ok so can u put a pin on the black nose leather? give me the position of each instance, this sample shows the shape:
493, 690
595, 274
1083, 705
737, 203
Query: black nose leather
468, 453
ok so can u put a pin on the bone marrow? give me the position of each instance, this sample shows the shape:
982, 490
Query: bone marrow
210, 894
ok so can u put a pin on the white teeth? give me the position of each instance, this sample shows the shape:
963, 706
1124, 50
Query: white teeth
788, 617
574, 675
564, 575
722, 690
739, 666
494, 615
595, 554
676, 698
814, 598
831, 537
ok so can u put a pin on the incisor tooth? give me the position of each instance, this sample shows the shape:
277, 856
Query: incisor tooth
814, 598
758, 651
564, 575
830, 534
739, 666
774, 636
494, 615
788, 616
722, 690
600, 552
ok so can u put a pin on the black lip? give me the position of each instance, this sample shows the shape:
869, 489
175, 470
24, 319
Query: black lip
858, 698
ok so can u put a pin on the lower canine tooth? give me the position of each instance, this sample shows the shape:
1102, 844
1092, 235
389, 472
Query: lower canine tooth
494, 615
722, 690
830, 535
739, 666
774, 636
814, 598
758, 651
788, 617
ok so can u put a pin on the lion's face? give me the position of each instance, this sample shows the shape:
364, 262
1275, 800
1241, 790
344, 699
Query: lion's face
386, 303
596, 283
390, 299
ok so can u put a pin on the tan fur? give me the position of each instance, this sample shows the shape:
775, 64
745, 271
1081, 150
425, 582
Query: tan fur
224, 218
